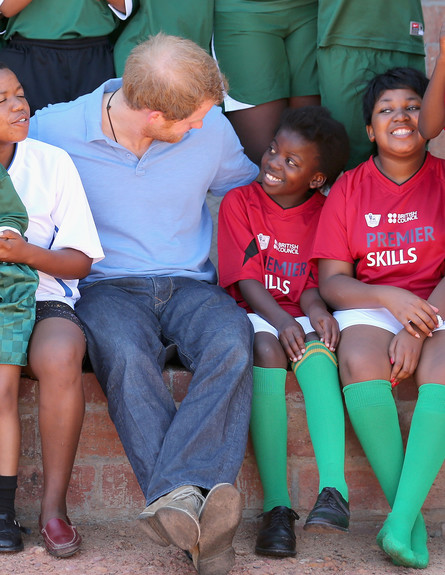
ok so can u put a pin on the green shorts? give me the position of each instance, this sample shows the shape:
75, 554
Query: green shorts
268, 55
344, 73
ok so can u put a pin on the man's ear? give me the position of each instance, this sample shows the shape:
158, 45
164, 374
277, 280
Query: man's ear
318, 180
370, 132
154, 116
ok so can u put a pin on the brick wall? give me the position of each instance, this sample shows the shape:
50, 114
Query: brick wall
103, 485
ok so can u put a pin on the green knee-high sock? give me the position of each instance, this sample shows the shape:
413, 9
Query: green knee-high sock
317, 375
425, 454
373, 414
268, 430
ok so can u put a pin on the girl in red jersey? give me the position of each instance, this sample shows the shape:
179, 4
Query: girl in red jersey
380, 247
432, 112
265, 237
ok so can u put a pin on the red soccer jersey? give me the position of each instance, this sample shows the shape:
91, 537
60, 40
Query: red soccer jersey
394, 234
258, 239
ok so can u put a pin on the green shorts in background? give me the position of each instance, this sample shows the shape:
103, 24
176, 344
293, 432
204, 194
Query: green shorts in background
268, 55
344, 73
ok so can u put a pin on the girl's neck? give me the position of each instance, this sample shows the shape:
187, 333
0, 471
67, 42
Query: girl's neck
399, 170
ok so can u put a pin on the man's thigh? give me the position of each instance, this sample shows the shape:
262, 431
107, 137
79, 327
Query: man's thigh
119, 318
202, 319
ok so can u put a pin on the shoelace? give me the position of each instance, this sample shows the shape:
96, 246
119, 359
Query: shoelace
328, 498
198, 498
281, 518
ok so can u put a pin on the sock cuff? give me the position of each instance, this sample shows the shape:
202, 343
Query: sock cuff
8, 481
315, 349
432, 397
269, 380
370, 393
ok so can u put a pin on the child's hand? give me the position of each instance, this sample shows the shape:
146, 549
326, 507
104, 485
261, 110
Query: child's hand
411, 311
12, 247
292, 336
404, 353
327, 329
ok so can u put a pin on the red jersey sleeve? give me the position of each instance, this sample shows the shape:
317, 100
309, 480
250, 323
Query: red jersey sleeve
238, 254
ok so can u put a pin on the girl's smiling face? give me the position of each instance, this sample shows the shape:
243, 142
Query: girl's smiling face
14, 109
394, 123
290, 169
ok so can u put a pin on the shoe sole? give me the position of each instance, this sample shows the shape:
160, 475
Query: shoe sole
219, 519
179, 526
275, 552
63, 553
12, 549
320, 527
148, 525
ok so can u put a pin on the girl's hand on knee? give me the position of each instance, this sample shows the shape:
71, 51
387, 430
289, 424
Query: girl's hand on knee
404, 355
417, 316
292, 338
326, 327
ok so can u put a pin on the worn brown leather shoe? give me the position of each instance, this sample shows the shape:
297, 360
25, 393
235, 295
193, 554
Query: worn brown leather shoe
60, 537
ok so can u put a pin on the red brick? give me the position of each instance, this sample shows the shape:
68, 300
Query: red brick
353, 447
29, 492
298, 438
30, 447
177, 381
28, 391
83, 489
249, 484
92, 389
121, 491
99, 437
365, 492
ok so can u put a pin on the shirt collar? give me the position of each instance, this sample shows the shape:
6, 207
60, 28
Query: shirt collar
93, 113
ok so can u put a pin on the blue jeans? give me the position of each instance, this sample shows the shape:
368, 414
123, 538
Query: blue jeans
129, 322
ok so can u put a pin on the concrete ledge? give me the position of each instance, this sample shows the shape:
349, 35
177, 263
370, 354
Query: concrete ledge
103, 486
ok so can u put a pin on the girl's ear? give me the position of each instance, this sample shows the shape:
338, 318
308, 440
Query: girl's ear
318, 180
370, 133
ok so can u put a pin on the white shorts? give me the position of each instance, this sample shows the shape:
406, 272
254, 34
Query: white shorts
260, 324
377, 317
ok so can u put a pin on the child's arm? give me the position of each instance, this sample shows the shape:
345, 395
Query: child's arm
290, 332
341, 290
432, 112
326, 327
65, 263
10, 8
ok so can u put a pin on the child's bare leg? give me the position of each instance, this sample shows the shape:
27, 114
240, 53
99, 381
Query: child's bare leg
9, 419
56, 351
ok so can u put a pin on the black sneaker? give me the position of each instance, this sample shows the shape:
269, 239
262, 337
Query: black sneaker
330, 512
10, 534
277, 535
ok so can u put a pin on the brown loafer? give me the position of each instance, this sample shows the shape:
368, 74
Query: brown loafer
60, 537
